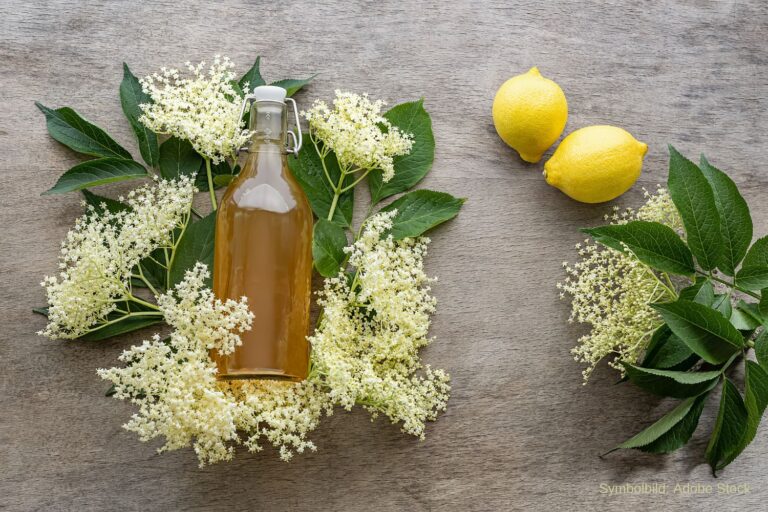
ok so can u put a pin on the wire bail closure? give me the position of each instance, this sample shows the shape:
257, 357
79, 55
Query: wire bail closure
295, 140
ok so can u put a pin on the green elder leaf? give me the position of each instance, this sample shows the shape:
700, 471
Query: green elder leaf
68, 127
762, 306
421, 210
93, 173
735, 220
101, 203
746, 316
328, 244
757, 255
668, 353
307, 168
122, 325
753, 274
178, 158
701, 291
411, 168
730, 428
293, 85
761, 349
221, 173
196, 245
654, 244
694, 199
672, 383
671, 431
722, 303
706, 331
131, 97
755, 400
252, 78
752, 277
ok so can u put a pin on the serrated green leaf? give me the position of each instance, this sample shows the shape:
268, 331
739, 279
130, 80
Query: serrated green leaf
222, 171
252, 78
762, 306
701, 291
671, 431
654, 244
672, 383
41, 311
669, 353
293, 85
328, 244
694, 199
421, 210
93, 173
196, 245
722, 303
755, 400
757, 255
411, 168
752, 277
730, 427
761, 349
178, 158
746, 316
222, 180
101, 203
131, 97
307, 169
124, 325
735, 220
706, 331
74, 131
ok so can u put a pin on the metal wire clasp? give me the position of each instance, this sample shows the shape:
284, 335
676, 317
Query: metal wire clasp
295, 138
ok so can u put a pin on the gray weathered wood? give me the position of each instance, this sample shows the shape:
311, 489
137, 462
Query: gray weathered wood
521, 432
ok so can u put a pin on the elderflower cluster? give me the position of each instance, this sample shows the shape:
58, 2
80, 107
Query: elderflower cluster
173, 381
366, 349
203, 109
365, 352
611, 291
356, 131
100, 253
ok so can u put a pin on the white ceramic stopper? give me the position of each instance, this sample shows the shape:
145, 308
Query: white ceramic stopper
269, 93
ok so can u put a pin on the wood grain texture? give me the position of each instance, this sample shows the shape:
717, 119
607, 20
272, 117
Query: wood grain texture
521, 432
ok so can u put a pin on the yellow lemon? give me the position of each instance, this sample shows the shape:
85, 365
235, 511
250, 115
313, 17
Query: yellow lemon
596, 164
529, 113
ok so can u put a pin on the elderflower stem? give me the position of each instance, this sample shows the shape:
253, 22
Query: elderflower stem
137, 300
358, 180
336, 193
210, 183
145, 280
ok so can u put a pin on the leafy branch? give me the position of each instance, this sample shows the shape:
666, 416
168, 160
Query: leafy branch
707, 329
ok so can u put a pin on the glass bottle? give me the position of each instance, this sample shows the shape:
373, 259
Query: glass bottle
263, 250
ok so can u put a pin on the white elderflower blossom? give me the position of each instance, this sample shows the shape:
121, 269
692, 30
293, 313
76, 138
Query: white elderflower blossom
203, 109
357, 132
282, 413
366, 349
611, 292
365, 352
100, 253
173, 381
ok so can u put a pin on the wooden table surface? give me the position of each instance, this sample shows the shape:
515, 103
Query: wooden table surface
521, 432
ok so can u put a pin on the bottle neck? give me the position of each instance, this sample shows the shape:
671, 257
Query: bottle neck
268, 122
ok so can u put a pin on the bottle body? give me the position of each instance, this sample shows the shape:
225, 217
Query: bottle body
263, 250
